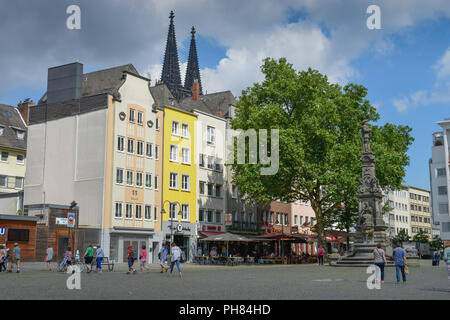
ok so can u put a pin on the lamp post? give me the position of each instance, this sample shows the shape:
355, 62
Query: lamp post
171, 220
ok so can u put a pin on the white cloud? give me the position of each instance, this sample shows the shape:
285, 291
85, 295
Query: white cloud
443, 65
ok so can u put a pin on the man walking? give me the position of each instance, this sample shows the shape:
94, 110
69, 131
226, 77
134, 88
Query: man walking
49, 258
162, 257
320, 253
99, 254
399, 255
447, 260
175, 257
16, 257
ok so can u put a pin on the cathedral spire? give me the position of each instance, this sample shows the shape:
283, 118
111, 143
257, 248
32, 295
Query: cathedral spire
171, 68
192, 70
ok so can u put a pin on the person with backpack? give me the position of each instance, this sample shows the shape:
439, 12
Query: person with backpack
447, 260
131, 258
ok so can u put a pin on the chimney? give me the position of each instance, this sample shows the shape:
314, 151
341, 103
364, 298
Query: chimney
64, 82
195, 90
24, 109
219, 114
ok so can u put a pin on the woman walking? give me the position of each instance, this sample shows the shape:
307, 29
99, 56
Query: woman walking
143, 259
68, 258
379, 260
320, 253
99, 254
175, 257
162, 257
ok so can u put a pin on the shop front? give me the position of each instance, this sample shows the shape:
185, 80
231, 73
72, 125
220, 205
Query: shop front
20, 230
184, 234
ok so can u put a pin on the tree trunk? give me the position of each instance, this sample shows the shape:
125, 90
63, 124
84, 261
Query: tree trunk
321, 241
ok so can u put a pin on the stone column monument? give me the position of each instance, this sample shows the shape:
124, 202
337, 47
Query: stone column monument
371, 228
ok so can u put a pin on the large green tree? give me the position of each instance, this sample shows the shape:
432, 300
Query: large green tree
319, 140
421, 237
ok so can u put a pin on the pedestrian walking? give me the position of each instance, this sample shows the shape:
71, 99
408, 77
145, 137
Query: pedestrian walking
436, 258
162, 257
447, 260
99, 254
16, 258
68, 257
320, 253
175, 253
399, 255
379, 260
88, 257
49, 258
143, 259
2, 257
130, 258
6, 263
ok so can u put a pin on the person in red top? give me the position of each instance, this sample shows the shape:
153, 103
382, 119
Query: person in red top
130, 258
320, 253
143, 259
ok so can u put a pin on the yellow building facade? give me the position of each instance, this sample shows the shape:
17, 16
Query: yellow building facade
179, 179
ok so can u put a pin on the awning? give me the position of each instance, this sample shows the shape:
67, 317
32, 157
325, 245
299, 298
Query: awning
210, 233
227, 237
276, 236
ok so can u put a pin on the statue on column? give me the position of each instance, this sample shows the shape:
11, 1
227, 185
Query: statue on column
366, 137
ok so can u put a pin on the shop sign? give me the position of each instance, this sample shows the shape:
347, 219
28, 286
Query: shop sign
61, 221
294, 229
179, 228
71, 220
228, 219
2, 231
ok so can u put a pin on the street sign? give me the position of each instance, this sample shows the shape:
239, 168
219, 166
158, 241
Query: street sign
71, 220
61, 221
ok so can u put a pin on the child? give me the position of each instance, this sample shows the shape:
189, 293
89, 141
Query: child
143, 259
130, 260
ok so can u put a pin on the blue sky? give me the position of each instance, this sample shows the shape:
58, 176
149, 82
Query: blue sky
405, 65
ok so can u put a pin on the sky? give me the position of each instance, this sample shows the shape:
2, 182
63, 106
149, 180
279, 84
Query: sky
405, 64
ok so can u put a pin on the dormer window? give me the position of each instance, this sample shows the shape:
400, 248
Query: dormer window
20, 134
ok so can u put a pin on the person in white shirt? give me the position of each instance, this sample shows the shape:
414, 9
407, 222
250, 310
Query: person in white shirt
176, 255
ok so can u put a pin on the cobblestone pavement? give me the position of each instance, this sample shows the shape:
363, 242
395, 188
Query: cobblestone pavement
222, 282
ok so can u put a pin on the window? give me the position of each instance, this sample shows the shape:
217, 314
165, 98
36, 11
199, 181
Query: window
218, 190
5, 156
148, 213
130, 147
201, 215
173, 211
173, 153
445, 226
218, 217
185, 212
118, 210
295, 219
234, 192
155, 213
1, 130
210, 162
20, 134
419, 197
173, 180
185, 183
202, 160
131, 115
4, 181
202, 187
185, 156
156, 152
210, 189
120, 142
210, 135
156, 123
138, 179
185, 130
443, 208
139, 211
301, 220
129, 178
175, 128
20, 159
218, 165
440, 172
119, 176
210, 216
140, 148
442, 190
19, 183
18, 235
156, 182
140, 118
129, 211
148, 151
148, 180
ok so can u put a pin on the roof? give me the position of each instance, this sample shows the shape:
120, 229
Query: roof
19, 218
213, 103
102, 81
226, 237
11, 121
162, 95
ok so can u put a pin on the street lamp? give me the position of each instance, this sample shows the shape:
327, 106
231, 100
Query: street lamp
171, 220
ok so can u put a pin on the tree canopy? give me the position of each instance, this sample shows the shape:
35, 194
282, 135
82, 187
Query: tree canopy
319, 140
